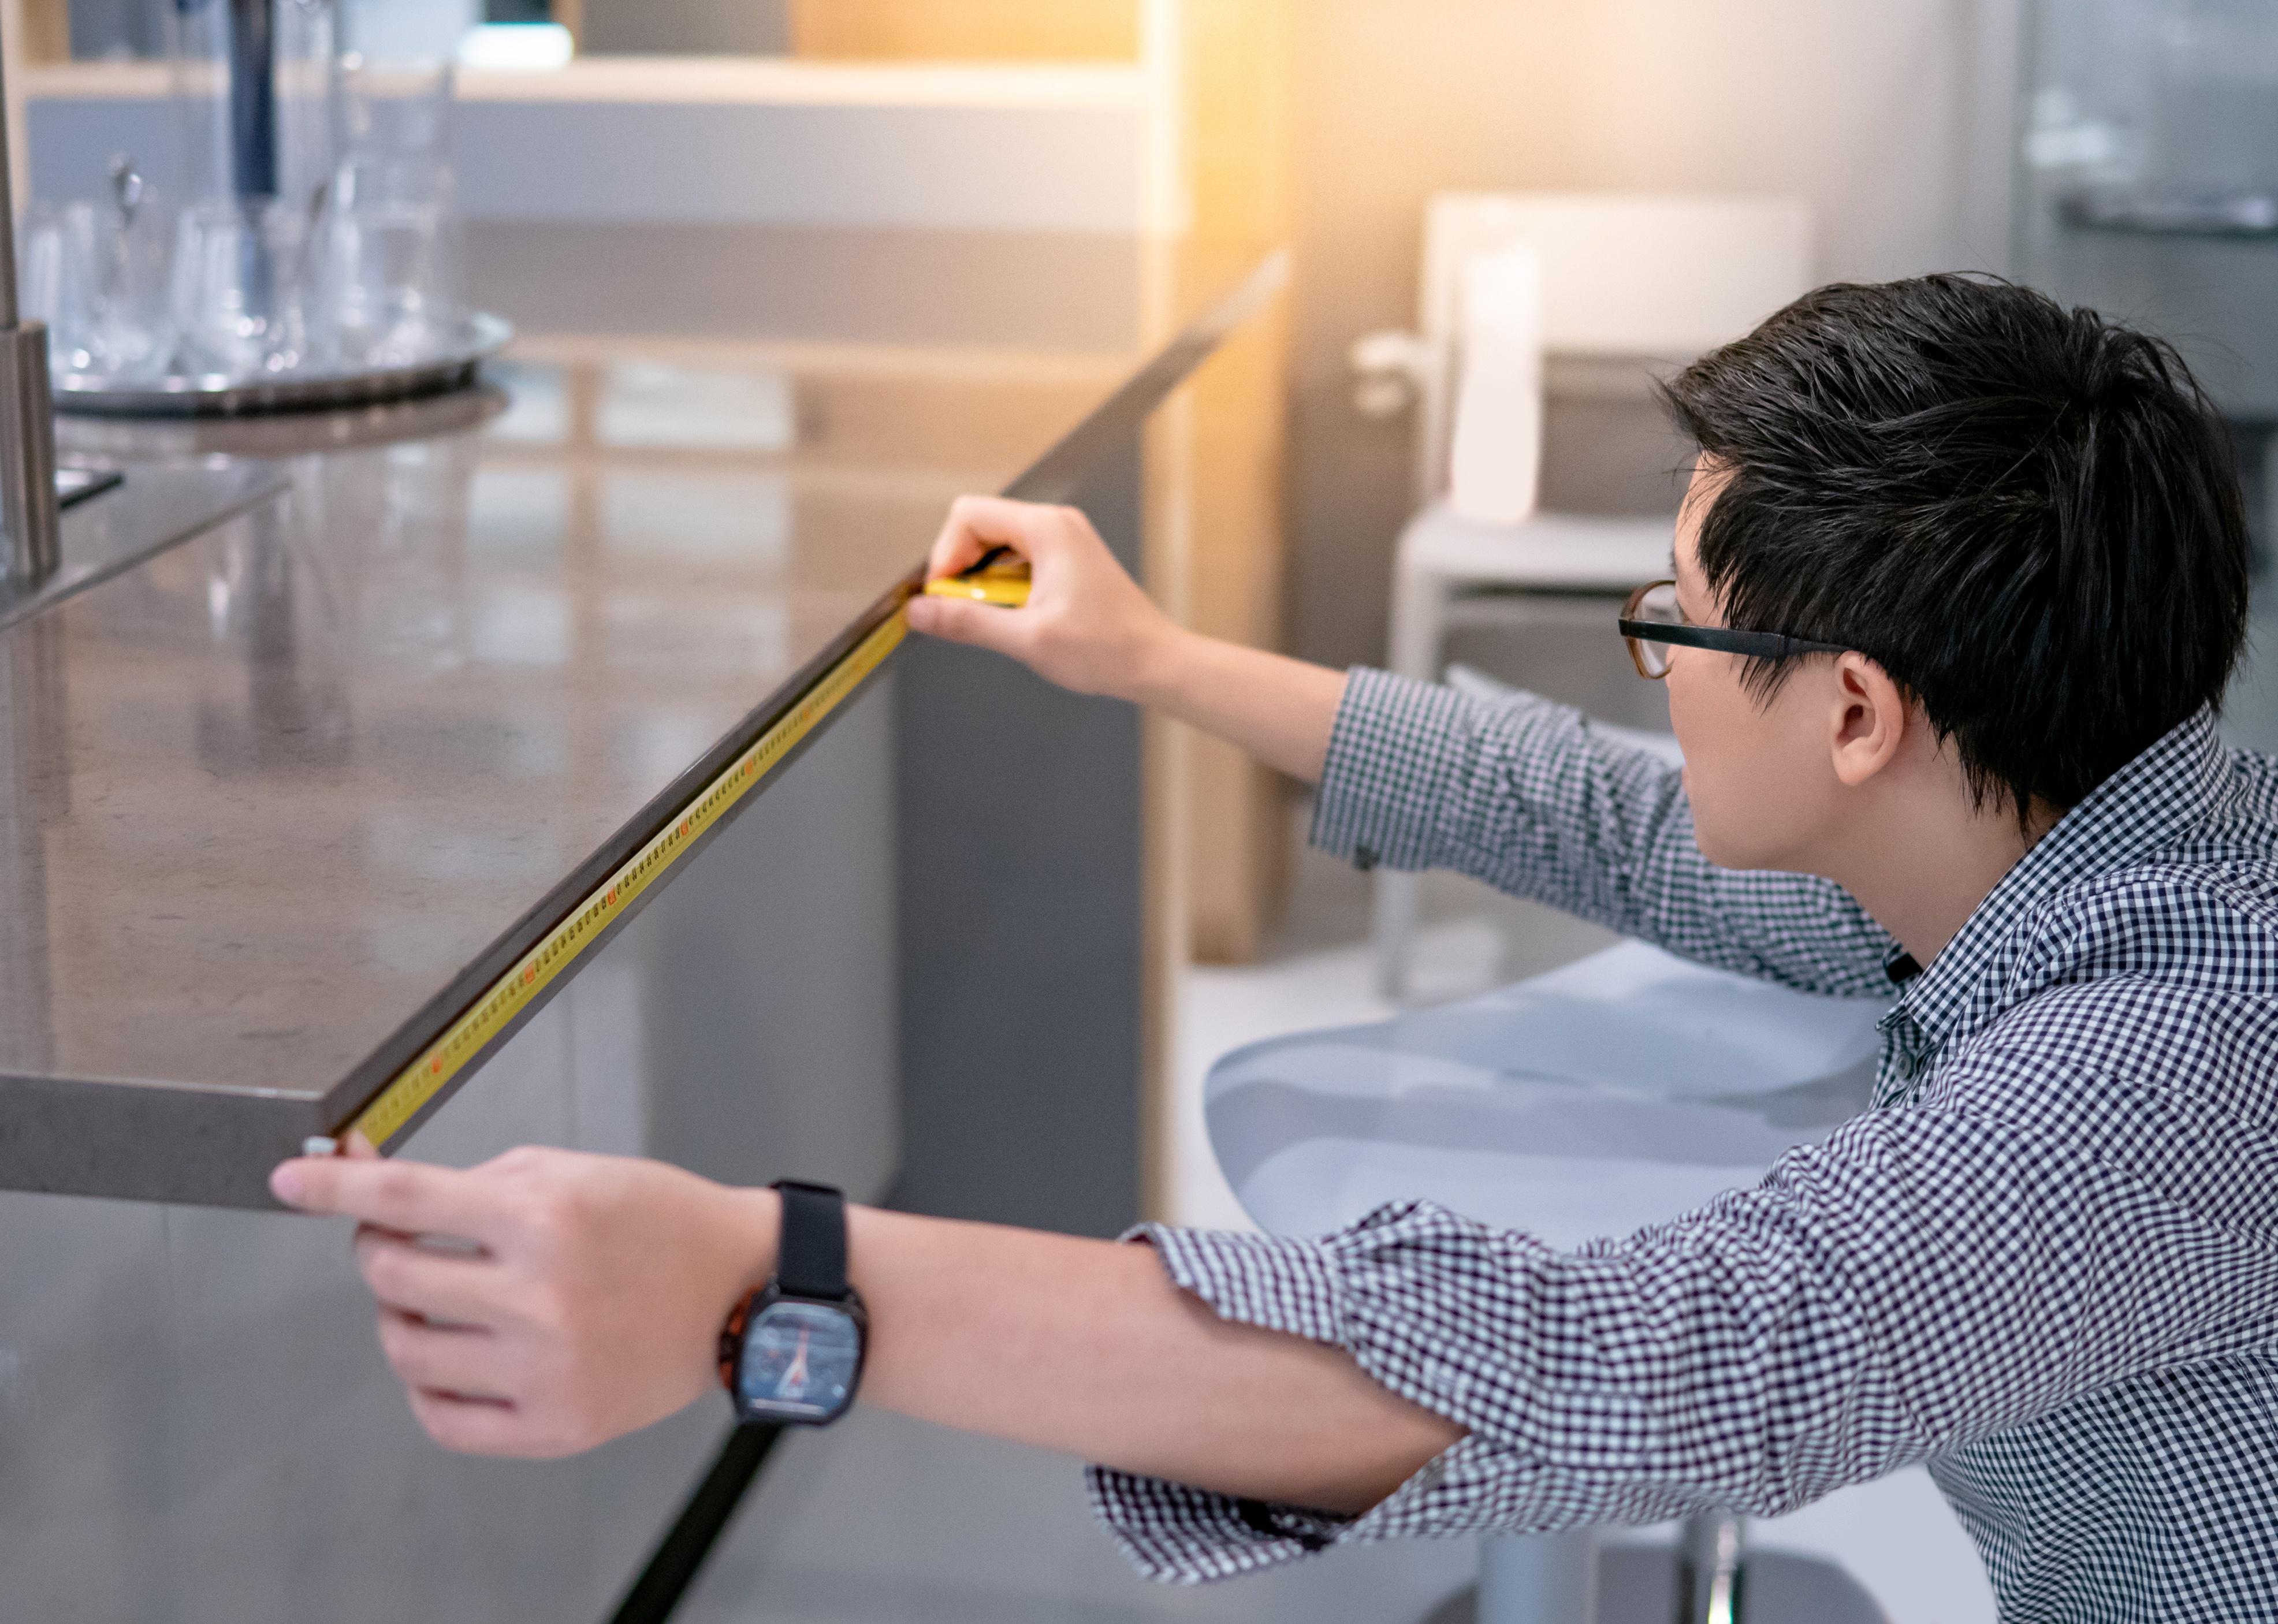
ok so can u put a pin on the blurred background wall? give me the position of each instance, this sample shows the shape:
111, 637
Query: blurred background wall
1892, 117
1327, 122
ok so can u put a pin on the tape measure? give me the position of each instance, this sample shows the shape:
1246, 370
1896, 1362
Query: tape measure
1005, 591
397, 1104
999, 577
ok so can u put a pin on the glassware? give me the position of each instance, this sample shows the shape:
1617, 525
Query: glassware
398, 109
241, 290
392, 280
98, 278
319, 236
253, 82
391, 283
132, 332
55, 268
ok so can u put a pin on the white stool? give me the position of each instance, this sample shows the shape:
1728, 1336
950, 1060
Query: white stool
1658, 1083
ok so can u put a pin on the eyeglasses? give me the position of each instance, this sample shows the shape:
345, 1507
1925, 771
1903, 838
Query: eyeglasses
1652, 623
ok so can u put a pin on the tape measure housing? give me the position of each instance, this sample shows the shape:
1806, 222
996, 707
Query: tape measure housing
1005, 591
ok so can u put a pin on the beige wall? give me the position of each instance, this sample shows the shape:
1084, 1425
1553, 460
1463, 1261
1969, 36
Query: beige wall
1891, 116
965, 30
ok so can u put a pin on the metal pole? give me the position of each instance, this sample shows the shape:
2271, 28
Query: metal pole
672, 1566
27, 414
1709, 1557
1538, 1578
253, 100
8, 311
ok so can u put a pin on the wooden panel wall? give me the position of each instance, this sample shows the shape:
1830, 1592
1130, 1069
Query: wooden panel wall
46, 31
968, 30
1238, 60
571, 15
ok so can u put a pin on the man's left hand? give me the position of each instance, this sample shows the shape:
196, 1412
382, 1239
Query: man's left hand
546, 1300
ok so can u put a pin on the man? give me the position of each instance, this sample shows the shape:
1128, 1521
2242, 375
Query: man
1959, 580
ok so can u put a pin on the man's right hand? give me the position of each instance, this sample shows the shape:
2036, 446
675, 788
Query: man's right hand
1086, 625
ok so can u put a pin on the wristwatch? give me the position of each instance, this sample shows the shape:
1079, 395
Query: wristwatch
792, 1352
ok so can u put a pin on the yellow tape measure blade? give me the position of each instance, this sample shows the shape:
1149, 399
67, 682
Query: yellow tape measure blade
465, 1040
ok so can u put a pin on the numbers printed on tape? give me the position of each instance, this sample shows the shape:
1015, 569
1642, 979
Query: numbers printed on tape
465, 1039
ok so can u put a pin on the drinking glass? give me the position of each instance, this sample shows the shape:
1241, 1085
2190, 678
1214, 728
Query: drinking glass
398, 109
392, 277
99, 279
55, 269
241, 289
392, 281
132, 333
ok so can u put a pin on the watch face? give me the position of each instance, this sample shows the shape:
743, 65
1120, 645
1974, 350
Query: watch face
800, 1360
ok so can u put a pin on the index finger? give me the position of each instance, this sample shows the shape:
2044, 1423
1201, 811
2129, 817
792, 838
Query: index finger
413, 1198
976, 524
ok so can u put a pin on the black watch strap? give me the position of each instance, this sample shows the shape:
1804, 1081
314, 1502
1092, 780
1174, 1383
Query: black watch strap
811, 1250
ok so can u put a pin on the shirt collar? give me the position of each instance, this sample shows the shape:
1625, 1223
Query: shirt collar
2172, 785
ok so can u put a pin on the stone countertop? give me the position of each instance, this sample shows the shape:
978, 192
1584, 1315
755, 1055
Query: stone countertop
278, 802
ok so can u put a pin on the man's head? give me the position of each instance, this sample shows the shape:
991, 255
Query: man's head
2025, 518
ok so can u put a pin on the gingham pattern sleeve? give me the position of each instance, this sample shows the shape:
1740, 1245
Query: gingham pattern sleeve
1530, 798
1923, 1278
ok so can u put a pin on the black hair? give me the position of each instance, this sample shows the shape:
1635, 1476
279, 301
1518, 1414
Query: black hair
2028, 516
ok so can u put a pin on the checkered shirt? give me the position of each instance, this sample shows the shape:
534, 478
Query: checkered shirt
2044, 1261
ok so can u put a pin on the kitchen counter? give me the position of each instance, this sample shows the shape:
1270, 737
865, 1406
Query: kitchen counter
282, 802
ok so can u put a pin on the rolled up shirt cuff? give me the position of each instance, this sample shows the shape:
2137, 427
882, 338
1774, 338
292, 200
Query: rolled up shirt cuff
1183, 1535
1179, 1535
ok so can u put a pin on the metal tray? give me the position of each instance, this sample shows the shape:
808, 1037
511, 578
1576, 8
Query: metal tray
213, 395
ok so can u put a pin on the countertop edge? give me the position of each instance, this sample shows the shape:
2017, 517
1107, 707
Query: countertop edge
212, 1144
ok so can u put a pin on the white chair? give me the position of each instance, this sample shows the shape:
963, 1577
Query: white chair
1629, 284
1621, 1090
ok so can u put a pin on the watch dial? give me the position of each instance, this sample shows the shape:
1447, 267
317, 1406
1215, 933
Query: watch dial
800, 1360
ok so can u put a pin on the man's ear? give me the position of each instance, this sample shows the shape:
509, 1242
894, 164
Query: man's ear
1870, 721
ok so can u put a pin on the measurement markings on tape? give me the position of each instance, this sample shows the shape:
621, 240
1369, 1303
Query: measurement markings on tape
412, 1088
